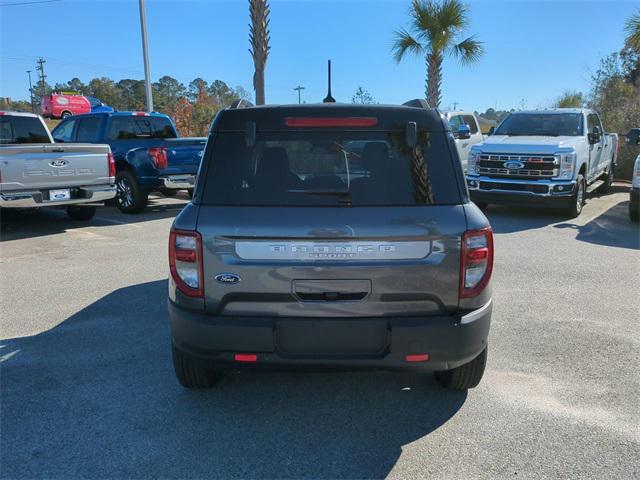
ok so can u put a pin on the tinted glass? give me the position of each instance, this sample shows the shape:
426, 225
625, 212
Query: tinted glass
469, 120
330, 169
15, 129
541, 124
88, 129
130, 127
593, 121
63, 133
454, 123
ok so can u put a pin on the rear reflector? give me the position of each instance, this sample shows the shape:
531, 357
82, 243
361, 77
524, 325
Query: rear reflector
331, 122
418, 357
245, 357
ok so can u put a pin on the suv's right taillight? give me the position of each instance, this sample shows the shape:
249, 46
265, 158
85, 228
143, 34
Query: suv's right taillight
112, 164
185, 262
476, 262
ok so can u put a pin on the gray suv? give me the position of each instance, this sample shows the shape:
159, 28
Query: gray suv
330, 236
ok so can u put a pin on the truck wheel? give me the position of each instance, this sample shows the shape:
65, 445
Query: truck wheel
608, 181
81, 212
65, 114
190, 374
168, 192
130, 197
577, 200
465, 376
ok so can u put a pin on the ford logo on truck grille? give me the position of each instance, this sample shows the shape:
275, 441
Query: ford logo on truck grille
228, 278
514, 165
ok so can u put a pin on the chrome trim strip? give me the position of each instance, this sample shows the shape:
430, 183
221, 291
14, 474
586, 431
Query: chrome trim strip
476, 314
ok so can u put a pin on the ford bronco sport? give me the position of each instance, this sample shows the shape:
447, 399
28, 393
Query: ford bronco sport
330, 235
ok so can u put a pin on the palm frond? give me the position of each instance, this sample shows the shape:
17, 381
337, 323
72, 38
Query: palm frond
405, 43
632, 28
452, 16
468, 50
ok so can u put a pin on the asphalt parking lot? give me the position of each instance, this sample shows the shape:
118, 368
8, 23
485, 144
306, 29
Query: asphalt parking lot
88, 391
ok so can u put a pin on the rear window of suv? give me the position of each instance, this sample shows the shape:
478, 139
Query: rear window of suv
330, 168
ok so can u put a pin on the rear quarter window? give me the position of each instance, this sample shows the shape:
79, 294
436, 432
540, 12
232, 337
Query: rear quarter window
140, 127
330, 168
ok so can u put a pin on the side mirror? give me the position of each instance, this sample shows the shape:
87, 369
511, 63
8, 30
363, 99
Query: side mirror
412, 134
595, 135
464, 132
492, 130
633, 137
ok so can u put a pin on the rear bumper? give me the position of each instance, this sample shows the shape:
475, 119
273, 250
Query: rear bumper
542, 193
378, 342
178, 182
37, 198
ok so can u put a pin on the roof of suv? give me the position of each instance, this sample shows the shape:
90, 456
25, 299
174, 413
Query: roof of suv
387, 117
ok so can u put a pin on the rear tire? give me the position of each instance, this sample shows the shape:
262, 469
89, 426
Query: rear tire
465, 376
81, 212
191, 374
130, 197
608, 182
577, 200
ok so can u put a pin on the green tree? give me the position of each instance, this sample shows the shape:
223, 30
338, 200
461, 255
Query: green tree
259, 39
105, 89
362, 96
132, 95
435, 28
198, 90
570, 99
73, 85
166, 93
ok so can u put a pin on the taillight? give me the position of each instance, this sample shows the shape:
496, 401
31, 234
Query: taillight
159, 157
185, 262
476, 263
330, 122
112, 164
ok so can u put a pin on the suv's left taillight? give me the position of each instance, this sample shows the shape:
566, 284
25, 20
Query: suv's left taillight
185, 262
476, 262
112, 164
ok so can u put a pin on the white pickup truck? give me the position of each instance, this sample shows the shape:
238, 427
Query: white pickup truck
466, 131
36, 172
549, 158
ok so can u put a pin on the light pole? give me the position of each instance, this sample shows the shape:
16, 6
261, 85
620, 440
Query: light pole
145, 54
33, 110
299, 89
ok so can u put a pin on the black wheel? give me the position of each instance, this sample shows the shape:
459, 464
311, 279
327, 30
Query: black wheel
634, 214
168, 192
130, 197
190, 374
608, 181
81, 212
482, 205
577, 200
65, 114
465, 376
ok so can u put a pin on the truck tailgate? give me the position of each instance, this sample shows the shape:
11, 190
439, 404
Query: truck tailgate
184, 155
29, 167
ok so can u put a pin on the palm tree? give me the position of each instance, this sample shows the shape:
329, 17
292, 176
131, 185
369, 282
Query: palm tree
259, 39
435, 27
633, 31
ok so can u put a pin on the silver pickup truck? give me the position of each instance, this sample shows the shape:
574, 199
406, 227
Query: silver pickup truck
36, 172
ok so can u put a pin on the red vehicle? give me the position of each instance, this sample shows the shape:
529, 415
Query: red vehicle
64, 104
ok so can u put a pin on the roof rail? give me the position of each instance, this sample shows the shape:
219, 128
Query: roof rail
416, 103
240, 103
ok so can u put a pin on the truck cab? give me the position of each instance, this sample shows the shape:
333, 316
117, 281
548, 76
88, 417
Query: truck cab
466, 132
551, 158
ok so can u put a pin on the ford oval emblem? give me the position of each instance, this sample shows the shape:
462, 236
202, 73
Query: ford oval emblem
58, 163
228, 278
514, 165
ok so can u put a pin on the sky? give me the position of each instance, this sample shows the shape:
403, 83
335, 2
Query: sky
533, 50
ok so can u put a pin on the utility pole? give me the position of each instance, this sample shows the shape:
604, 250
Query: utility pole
299, 89
145, 54
33, 109
455, 106
41, 76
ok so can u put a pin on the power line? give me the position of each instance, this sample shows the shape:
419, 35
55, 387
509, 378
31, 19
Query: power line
27, 3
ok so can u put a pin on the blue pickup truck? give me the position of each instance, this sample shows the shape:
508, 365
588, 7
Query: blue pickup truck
149, 155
